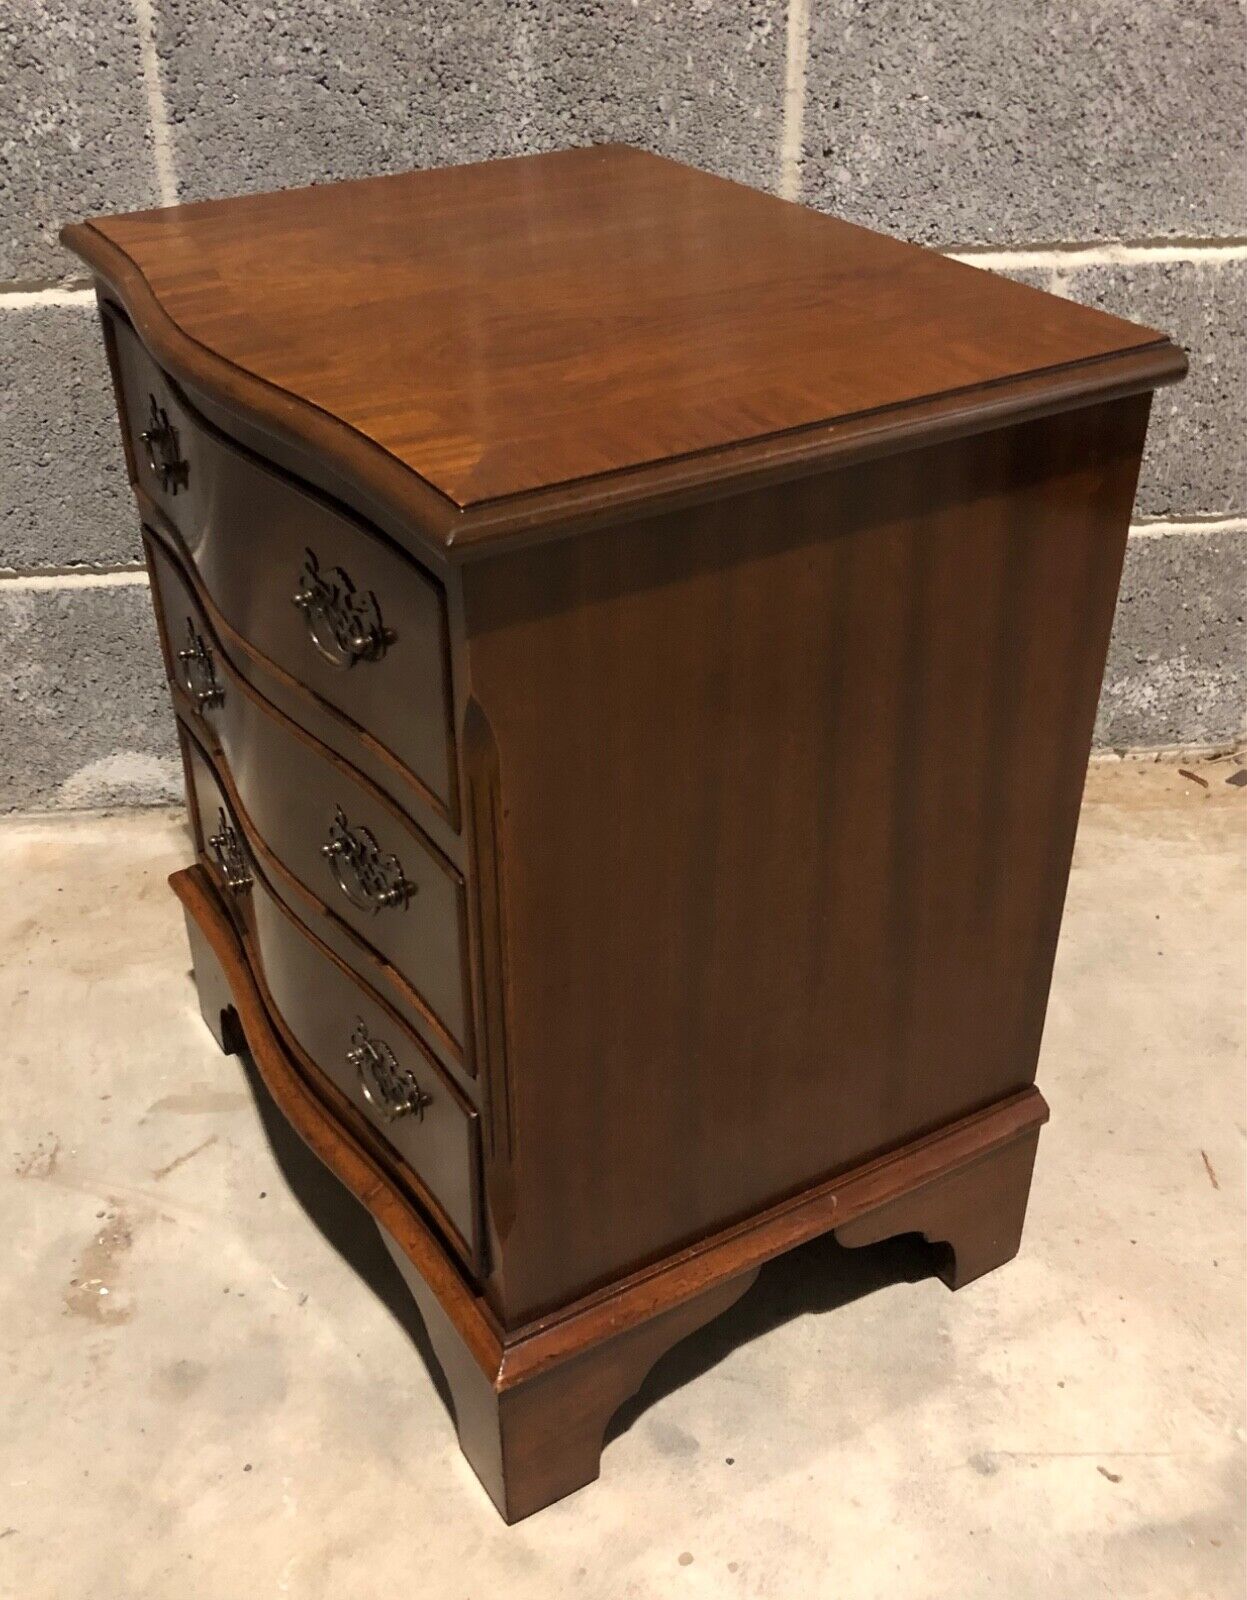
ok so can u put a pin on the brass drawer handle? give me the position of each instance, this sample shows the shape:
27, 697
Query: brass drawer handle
370, 880
389, 1089
160, 440
345, 626
227, 848
199, 671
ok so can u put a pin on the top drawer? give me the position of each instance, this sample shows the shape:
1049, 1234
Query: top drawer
305, 586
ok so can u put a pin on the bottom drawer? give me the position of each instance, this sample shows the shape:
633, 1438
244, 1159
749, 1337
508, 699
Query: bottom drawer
344, 1029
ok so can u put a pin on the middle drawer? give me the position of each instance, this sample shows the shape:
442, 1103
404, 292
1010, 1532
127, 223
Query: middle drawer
351, 848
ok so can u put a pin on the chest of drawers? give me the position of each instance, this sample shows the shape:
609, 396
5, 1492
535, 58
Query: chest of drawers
634, 646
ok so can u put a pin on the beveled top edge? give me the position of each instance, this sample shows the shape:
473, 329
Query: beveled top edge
303, 435
299, 432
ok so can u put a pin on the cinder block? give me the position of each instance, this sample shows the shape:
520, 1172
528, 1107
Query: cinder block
1195, 464
75, 136
265, 98
66, 500
970, 121
1177, 665
84, 712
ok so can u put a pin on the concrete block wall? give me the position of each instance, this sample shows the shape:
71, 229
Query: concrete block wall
1091, 147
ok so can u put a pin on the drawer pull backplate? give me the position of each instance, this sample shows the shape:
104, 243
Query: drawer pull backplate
160, 440
344, 625
199, 671
370, 879
389, 1089
227, 849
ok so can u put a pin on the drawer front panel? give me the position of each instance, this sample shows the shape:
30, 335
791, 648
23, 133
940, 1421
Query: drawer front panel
357, 855
346, 1030
306, 586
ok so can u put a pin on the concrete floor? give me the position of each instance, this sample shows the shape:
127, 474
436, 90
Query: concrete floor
203, 1398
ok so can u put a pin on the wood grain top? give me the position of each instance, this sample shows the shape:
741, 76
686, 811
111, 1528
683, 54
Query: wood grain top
512, 326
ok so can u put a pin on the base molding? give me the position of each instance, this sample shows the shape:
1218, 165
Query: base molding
976, 1209
532, 1403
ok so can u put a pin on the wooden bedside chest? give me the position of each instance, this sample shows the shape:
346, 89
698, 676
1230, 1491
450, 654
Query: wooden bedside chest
634, 645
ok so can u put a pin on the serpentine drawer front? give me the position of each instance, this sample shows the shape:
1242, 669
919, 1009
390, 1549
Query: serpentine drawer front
311, 589
345, 1029
637, 713
325, 824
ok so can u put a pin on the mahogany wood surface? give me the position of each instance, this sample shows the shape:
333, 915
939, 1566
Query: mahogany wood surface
319, 1002
532, 1404
290, 790
724, 597
785, 810
551, 320
402, 698
977, 1212
301, 705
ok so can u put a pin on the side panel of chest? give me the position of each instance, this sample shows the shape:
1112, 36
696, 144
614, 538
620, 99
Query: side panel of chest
781, 822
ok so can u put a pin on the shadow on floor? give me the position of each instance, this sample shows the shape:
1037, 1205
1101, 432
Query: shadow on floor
342, 1221
812, 1279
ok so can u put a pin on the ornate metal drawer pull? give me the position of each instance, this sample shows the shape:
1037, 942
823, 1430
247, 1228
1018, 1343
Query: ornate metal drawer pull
345, 626
370, 880
160, 440
199, 671
227, 848
389, 1089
